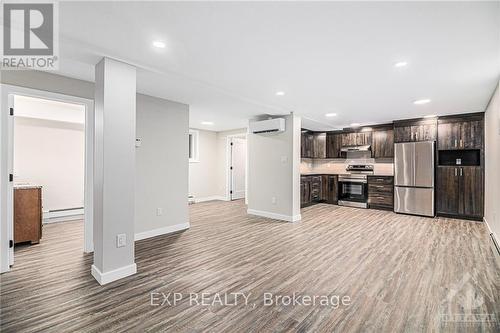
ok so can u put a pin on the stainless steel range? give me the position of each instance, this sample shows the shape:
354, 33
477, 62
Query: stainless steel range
353, 186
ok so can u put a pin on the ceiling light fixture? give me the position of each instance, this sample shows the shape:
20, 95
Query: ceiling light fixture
280, 93
430, 116
159, 44
354, 125
330, 114
401, 64
207, 122
422, 101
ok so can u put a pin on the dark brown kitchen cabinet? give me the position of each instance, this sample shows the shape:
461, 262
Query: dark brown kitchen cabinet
313, 145
414, 130
448, 136
461, 132
305, 190
306, 144
381, 192
329, 189
319, 145
357, 139
318, 188
383, 143
460, 191
333, 145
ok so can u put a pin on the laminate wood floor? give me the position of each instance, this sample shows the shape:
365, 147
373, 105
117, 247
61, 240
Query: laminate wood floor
402, 274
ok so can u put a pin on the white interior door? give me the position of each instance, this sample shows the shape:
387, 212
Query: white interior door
238, 165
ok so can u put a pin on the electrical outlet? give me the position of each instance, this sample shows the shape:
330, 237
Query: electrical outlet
121, 240
273, 200
159, 211
284, 159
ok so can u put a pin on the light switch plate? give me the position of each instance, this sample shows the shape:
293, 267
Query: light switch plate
159, 211
121, 240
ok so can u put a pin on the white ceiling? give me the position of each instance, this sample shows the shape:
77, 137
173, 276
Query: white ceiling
227, 59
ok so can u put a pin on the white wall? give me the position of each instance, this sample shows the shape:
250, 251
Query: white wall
492, 164
51, 154
114, 170
274, 172
202, 182
161, 164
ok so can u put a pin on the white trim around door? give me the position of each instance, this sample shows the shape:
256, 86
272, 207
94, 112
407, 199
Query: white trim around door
6, 166
229, 139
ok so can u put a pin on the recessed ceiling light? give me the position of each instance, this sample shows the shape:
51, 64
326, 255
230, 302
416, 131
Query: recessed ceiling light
159, 44
421, 101
355, 125
330, 114
207, 122
430, 116
280, 93
401, 64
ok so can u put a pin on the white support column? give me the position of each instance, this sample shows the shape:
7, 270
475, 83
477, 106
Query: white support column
114, 170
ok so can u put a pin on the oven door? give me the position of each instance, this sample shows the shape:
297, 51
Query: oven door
353, 191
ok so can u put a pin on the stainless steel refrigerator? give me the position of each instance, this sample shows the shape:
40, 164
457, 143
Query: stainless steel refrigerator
414, 178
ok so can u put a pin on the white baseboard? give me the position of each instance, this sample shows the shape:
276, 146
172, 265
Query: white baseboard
116, 274
63, 215
493, 235
161, 231
288, 218
210, 198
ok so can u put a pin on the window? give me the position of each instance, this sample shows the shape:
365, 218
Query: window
193, 146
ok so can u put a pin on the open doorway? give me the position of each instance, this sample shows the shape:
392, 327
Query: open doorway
49, 160
237, 167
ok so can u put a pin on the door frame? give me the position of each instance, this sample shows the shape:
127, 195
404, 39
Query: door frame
6, 166
229, 139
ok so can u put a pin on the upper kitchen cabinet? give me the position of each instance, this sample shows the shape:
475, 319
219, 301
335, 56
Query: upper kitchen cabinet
306, 144
313, 145
333, 145
383, 143
414, 130
319, 145
356, 139
461, 132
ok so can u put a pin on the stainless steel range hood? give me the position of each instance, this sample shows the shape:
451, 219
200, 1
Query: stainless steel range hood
355, 148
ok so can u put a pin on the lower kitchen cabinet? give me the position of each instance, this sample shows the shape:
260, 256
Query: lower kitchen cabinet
460, 191
381, 192
329, 192
305, 190
318, 188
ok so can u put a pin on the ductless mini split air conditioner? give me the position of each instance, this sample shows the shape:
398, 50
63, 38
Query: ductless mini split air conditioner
268, 126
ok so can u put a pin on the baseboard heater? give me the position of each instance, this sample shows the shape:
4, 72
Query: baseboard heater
61, 214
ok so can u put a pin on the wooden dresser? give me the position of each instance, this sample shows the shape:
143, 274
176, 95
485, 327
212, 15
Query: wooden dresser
27, 214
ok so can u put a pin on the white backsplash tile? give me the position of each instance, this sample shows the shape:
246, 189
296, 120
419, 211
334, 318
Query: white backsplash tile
338, 166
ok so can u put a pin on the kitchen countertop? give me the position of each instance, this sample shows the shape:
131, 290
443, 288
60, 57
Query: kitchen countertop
26, 186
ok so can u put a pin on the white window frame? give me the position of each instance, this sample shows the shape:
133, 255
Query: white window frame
195, 146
